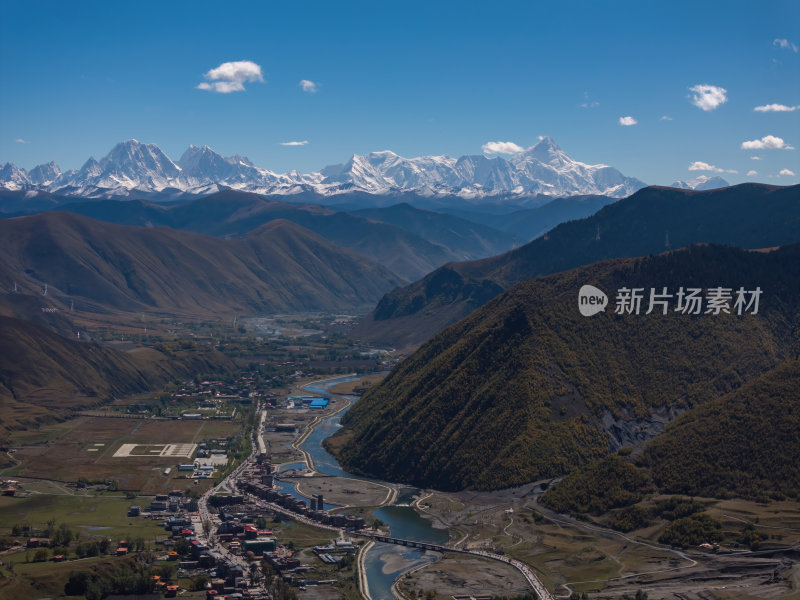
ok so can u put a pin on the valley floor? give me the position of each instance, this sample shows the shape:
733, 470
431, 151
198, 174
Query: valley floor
573, 555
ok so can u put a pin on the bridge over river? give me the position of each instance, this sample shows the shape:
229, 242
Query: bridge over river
523, 568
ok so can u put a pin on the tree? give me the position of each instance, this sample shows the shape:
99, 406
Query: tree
62, 535
41, 555
199, 582
77, 584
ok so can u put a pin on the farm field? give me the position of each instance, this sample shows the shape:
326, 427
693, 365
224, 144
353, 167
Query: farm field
85, 448
90, 516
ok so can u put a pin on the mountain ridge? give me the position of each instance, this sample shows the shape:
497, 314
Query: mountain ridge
106, 267
650, 221
412, 245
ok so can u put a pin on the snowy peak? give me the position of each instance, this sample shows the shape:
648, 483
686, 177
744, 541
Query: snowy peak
44, 174
545, 151
203, 162
13, 178
703, 182
91, 168
136, 160
133, 166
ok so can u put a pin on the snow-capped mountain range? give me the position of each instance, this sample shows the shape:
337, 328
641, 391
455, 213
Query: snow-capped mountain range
133, 167
703, 182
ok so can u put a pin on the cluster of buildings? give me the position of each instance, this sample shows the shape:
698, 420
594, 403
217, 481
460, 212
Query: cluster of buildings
227, 580
238, 533
9, 487
258, 481
173, 502
212, 399
316, 402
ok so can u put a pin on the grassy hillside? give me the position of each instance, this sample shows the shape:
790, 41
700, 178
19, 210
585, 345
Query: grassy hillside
747, 216
102, 267
526, 387
45, 376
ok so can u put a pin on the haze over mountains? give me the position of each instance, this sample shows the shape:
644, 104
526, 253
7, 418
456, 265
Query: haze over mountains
102, 267
653, 220
133, 169
409, 241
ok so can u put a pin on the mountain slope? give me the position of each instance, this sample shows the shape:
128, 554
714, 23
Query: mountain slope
526, 387
281, 267
744, 444
464, 239
529, 223
748, 215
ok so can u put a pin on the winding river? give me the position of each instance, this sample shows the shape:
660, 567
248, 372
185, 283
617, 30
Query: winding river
384, 562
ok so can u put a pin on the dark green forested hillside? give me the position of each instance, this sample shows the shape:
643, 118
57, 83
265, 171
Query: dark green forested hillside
526, 387
603, 484
745, 444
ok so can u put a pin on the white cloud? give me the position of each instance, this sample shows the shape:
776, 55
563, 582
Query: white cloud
627, 121
666, 118
20, 141
786, 44
501, 148
231, 76
776, 108
768, 142
303, 143
308, 86
755, 158
786, 173
708, 97
752, 173
699, 165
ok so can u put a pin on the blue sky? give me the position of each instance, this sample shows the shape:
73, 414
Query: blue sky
416, 78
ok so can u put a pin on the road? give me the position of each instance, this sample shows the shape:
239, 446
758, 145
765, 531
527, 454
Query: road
523, 568
258, 447
229, 483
